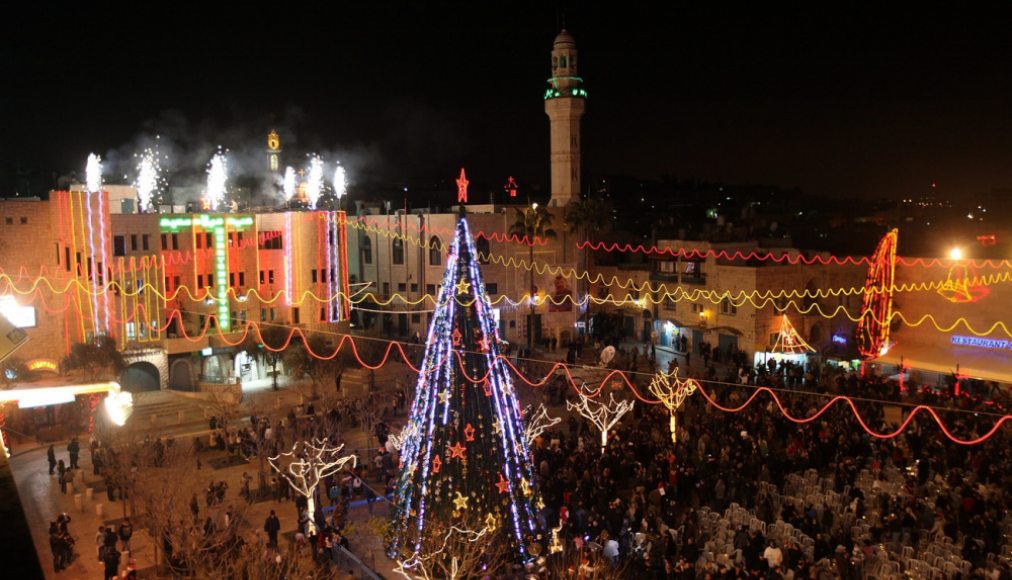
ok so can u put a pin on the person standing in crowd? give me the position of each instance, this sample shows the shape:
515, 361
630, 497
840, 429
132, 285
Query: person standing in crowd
272, 526
74, 449
51, 456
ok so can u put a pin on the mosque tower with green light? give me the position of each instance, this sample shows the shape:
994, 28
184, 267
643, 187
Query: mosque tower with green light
565, 100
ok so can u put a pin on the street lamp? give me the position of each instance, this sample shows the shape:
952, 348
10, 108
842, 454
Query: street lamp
956, 253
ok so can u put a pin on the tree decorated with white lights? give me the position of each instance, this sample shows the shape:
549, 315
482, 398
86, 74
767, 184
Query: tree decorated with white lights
306, 465
603, 415
465, 456
537, 421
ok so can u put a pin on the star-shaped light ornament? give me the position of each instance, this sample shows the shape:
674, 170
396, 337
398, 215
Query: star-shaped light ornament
497, 426
503, 485
491, 522
483, 344
460, 502
463, 287
457, 450
525, 487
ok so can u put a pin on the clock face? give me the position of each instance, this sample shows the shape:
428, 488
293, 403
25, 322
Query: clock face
273, 143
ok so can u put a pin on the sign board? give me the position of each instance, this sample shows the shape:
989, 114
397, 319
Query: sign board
11, 338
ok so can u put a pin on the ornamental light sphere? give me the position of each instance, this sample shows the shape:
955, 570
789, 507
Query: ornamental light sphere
93, 173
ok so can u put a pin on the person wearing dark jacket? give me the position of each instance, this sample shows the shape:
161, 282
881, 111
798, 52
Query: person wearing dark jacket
272, 526
51, 456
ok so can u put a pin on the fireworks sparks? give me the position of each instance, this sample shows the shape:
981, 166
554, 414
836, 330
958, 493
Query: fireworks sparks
93, 173
147, 179
217, 174
288, 185
314, 185
340, 183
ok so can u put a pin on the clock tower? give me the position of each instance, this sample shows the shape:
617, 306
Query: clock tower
273, 151
565, 99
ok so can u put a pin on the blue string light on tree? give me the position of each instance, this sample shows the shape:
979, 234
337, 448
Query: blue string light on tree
465, 456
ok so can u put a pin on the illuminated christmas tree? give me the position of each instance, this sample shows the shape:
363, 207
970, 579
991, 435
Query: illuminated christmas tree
464, 457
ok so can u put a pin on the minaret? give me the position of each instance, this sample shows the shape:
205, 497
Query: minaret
564, 104
273, 151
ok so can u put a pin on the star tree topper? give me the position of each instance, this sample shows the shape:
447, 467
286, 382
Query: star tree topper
462, 187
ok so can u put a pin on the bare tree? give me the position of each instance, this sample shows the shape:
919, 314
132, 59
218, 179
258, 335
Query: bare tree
604, 416
535, 423
304, 358
672, 392
96, 359
457, 550
306, 465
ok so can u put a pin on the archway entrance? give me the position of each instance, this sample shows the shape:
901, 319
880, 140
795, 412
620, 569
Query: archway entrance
181, 376
139, 377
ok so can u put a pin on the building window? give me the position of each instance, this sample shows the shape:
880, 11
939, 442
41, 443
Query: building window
270, 240
401, 287
210, 281
273, 313
199, 241
323, 314
133, 242
386, 288
24, 221
435, 251
231, 279
398, 251
175, 281
165, 244
263, 315
66, 258
295, 315
414, 287
416, 318
242, 317
492, 288
481, 246
238, 239
9, 221
261, 276
200, 280
366, 250
270, 277
144, 242
430, 289
118, 246
175, 241
242, 279
727, 308
208, 240
314, 275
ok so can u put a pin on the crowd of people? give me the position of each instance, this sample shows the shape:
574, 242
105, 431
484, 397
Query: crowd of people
707, 506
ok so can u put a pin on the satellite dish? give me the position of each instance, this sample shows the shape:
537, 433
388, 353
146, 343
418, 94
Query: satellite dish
607, 354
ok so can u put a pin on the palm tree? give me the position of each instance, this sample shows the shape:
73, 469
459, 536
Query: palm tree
588, 216
531, 223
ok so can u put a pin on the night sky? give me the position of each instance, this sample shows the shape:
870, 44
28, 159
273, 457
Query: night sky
844, 104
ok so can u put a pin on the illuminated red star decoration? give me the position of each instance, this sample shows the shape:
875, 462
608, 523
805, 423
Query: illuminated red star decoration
456, 336
511, 186
503, 485
462, 187
437, 463
469, 432
457, 450
483, 344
